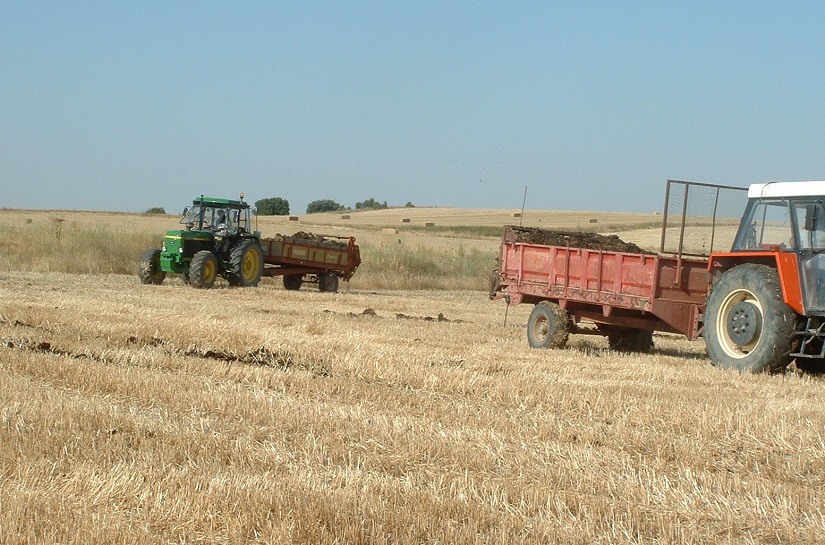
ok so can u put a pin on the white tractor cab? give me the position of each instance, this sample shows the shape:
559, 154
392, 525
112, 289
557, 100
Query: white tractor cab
766, 306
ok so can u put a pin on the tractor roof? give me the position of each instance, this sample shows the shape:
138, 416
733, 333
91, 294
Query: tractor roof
786, 189
225, 203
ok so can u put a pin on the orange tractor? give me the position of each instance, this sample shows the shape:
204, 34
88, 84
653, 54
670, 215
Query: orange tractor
755, 292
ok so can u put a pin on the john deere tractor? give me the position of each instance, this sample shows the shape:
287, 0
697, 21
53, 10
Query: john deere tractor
216, 241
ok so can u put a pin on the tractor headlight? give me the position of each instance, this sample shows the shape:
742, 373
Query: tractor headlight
163, 248
180, 250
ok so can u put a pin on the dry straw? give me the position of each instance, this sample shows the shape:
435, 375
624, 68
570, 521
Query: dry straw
159, 414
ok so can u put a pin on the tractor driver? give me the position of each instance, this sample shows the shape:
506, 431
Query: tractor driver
219, 221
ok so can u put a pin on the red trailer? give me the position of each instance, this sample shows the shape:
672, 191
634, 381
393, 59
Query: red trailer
625, 295
752, 283
321, 260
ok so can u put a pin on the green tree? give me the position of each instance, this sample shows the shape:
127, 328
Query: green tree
324, 205
273, 206
156, 210
371, 204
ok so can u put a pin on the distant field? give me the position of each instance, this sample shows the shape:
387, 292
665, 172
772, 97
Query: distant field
444, 248
472, 227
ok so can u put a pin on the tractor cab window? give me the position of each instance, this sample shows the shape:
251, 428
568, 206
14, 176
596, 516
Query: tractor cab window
191, 217
765, 225
216, 219
226, 222
810, 225
232, 221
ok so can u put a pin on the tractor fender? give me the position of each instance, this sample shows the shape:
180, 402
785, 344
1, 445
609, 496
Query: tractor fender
785, 263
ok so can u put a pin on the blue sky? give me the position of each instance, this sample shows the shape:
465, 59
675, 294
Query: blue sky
591, 105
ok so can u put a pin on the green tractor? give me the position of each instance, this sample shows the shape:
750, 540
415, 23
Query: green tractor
217, 241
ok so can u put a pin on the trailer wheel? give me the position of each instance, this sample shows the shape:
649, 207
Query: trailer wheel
149, 270
292, 282
548, 327
628, 339
246, 263
203, 270
328, 282
748, 326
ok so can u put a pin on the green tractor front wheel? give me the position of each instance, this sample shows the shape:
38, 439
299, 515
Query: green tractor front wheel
149, 270
203, 270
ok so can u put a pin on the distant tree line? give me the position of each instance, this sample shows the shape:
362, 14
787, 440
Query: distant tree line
274, 206
278, 206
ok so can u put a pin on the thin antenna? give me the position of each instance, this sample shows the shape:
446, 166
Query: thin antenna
520, 219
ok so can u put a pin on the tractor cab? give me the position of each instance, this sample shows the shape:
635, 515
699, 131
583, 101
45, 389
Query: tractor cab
766, 305
789, 217
222, 217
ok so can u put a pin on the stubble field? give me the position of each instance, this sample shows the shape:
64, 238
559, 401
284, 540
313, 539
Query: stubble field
164, 414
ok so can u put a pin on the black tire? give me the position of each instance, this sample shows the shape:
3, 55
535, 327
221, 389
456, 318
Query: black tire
246, 263
628, 339
748, 326
328, 282
203, 270
549, 326
149, 270
292, 282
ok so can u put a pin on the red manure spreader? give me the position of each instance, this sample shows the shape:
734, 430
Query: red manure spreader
751, 283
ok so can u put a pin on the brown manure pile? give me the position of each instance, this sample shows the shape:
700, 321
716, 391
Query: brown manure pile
590, 241
304, 235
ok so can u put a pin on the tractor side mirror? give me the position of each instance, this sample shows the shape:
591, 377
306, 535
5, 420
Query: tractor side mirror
185, 211
810, 217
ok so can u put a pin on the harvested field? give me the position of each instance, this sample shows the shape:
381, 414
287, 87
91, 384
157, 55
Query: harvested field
143, 414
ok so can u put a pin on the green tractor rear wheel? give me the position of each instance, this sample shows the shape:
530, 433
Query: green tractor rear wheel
203, 270
246, 263
149, 270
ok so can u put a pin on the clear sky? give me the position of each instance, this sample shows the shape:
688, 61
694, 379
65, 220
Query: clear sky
591, 105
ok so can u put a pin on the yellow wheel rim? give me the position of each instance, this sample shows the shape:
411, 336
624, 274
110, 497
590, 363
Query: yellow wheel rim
250, 266
209, 271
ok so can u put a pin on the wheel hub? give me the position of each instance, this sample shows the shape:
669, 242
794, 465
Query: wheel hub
744, 323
